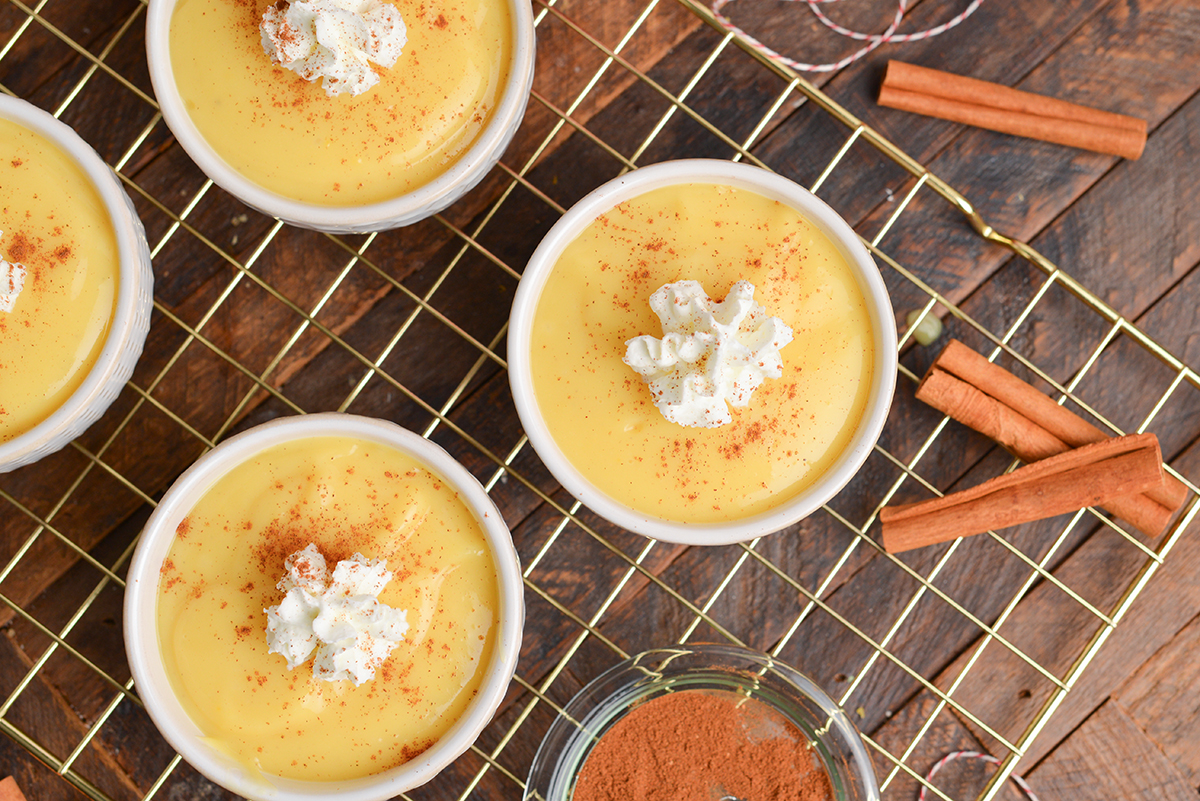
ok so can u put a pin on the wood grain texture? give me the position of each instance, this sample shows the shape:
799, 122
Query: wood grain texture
945, 734
1033, 32
1161, 698
1110, 757
1121, 378
40, 712
1020, 187
1052, 628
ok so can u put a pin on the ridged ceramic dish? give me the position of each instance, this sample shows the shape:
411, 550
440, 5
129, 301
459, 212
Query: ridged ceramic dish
772, 187
426, 200
131, 315
141, 624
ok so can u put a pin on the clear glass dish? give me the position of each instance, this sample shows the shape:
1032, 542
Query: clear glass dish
609, 697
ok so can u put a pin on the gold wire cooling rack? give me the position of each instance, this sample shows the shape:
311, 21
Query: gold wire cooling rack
255, 319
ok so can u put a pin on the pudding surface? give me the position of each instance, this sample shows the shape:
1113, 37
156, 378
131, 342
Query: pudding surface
347, 496
601, 414
288, 136
55, 224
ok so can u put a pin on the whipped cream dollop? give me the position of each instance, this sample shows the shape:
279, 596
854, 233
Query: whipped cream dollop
12, 281
712, 353
335, 40
336, 614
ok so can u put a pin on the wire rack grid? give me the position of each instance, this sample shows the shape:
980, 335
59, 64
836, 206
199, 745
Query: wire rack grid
327, 353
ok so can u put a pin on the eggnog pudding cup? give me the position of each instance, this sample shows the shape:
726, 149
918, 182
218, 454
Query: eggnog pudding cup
433, 125
75, 285
207, 617
789, 438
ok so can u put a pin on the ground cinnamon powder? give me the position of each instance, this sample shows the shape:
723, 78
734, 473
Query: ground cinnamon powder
702, 746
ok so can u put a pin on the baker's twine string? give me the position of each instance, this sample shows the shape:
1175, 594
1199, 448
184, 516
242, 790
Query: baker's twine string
953, 755
873, 40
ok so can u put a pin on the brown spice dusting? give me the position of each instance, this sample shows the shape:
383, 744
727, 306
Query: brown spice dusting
699, 745
169, 575
21, 248
411, 752
281, 538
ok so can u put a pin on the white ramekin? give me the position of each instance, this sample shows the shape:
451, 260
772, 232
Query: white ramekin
741, 176
406, 209
141, 623
131, 315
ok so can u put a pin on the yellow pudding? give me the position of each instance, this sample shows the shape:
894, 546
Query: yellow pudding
347, 496
288, 136
55, 224
601, 414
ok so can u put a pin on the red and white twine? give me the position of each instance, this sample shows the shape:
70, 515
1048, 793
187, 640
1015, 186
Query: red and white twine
873, 40
953, 755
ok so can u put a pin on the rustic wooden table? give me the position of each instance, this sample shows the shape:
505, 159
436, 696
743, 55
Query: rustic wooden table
970, 646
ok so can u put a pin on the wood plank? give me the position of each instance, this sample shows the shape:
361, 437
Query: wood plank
1032, 33
1157, 616
1005, 692
40, 713
1060, 355
945, 734
1169, 601
995, 172
1109, 757
1165, 606
1161, 699
33, 776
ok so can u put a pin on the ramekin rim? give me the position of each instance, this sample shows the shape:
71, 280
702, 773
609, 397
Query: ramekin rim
141, 638
134, 275
364, 217
752, 178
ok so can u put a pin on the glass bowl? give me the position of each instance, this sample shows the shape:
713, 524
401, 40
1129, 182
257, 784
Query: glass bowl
720, 668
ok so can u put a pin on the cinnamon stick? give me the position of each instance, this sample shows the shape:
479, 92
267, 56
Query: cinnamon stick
1001, 108
1025, 439
992, 379
972, 407
1085, 476
9, 791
